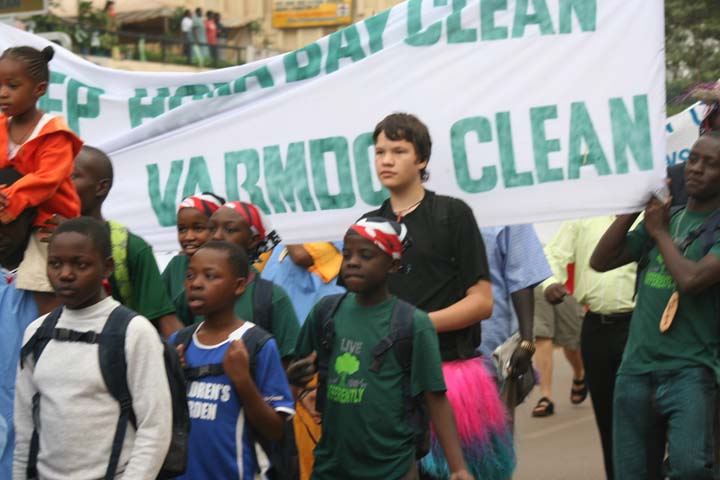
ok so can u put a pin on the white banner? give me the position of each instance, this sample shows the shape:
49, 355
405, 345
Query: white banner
539, 110
682, 131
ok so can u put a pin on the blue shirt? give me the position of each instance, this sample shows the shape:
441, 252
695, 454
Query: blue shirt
517, 261
222, 443
304, 288
17, 310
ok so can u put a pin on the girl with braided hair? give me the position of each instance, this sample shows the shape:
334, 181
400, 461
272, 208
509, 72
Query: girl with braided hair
39, 146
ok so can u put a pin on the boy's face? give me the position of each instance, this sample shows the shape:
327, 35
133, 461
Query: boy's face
396, 162
227, 225
18, 92
76, 269
211, 284
90, 189
702, 170
364, 266
192, 228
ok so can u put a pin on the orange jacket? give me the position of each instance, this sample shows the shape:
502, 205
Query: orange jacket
46, 164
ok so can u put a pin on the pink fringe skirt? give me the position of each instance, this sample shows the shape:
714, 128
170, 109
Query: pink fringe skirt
482, 424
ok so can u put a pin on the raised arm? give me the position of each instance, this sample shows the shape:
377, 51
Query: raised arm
691, 276
612, 250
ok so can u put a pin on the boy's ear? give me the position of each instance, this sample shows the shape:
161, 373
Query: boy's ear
395, 266
40, 89
102, 188
254, 242
109, 267
241, 286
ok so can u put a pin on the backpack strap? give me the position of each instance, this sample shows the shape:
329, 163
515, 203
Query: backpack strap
35, 346
400, 338
39, 340
262, 303
119, 240
184, 337
708, 231
113, 366
324, 312
254, 339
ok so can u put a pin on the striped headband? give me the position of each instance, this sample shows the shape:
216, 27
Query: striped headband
389, 236
252, 216
205, 202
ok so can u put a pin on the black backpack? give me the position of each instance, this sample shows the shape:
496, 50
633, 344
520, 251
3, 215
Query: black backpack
262, 303
254, 339
113, 365
400, 339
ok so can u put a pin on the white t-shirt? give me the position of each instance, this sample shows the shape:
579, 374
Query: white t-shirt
186, 24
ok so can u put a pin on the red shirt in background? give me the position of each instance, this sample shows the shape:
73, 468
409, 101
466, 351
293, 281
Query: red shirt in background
211, 32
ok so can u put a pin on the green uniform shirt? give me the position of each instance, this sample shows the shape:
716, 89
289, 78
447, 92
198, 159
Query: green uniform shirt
694, 336
174, 278
149, 297
365, 430
285, 325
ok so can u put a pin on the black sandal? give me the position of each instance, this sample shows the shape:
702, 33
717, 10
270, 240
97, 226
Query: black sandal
578, 395
544, 408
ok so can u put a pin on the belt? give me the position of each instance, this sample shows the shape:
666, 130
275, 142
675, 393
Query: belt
612, 318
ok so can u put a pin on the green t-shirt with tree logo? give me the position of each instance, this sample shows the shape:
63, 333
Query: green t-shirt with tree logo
693, 339
365, 430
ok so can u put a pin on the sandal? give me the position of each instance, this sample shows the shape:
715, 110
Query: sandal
578, 392
544, 408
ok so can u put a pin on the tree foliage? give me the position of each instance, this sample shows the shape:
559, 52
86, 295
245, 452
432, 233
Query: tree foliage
692, 40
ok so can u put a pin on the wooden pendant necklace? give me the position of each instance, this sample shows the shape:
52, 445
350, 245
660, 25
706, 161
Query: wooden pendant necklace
400, 213
673, 303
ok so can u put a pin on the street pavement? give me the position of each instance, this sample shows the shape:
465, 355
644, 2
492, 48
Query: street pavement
564, 446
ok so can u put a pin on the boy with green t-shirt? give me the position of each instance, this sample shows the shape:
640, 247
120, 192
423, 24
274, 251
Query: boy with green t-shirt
666, 388
366, 433
136, 281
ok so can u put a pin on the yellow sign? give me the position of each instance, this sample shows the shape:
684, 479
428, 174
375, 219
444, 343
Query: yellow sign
310, 13
12, 8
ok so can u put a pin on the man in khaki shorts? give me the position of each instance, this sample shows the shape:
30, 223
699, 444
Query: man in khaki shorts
557, 325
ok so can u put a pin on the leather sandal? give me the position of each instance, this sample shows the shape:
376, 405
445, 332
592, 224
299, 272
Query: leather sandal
544, 408
578, 392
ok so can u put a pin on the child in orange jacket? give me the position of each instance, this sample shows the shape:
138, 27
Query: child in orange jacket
41, 147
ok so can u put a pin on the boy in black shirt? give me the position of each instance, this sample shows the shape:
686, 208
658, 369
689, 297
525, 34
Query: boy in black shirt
445, 274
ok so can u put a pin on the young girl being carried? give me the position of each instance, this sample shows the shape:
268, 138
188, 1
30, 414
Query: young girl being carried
42, 148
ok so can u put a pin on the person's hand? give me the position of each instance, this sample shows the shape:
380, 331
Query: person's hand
461, 475
300, 372
236, 362
520, 362
657, 216
555, 293
181, 353
308, 399
50, 225
4, 200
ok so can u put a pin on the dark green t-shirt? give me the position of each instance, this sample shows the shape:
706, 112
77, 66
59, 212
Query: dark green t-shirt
285, 325
149, 297
365, 430
694, 336
174, 279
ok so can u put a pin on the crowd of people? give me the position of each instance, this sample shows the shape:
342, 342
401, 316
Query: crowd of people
379, 347
200, 36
